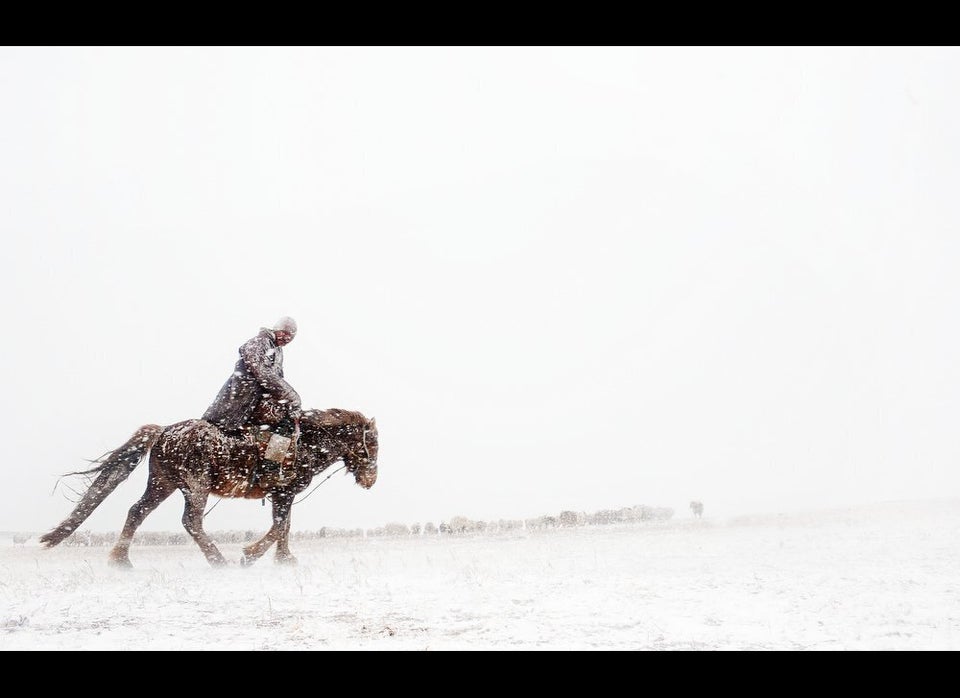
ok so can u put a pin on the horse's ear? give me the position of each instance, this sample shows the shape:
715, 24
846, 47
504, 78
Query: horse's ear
373, 423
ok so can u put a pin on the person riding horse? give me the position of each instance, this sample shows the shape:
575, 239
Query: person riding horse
257, 379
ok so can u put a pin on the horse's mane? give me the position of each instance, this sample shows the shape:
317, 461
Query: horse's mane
332, 418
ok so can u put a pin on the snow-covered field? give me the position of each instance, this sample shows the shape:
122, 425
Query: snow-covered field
879, 577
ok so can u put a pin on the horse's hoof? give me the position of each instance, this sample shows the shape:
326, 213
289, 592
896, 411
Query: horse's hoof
121, 563
286, 560
246, 560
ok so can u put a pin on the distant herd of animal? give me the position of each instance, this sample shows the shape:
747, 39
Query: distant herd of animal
695, 506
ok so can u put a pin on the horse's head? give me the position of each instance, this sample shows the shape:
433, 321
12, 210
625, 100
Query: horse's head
361, 455
349, 435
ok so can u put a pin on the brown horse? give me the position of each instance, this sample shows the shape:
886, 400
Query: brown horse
199, 460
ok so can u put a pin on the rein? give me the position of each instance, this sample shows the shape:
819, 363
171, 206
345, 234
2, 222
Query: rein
212, 507
320, 483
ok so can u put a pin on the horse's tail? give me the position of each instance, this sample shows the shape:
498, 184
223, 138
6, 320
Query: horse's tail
115, 467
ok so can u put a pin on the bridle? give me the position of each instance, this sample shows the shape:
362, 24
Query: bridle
366, 451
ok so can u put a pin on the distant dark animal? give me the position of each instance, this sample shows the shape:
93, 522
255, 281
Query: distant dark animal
697, 509
198, 459
20, 538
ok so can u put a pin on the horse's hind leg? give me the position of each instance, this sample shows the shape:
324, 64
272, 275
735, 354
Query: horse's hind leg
195, 502
157, 491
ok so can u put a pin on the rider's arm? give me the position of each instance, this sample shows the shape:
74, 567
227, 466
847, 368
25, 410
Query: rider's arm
254, 354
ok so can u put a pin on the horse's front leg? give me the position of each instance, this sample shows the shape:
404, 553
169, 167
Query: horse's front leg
284, 555
282, 503
255, 551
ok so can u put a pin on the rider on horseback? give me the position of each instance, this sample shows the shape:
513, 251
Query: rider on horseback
256, 378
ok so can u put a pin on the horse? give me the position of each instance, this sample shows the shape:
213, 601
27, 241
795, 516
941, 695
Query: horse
197, 458
696, 508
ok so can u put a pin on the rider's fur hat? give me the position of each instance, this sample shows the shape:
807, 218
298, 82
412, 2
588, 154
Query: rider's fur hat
286, 324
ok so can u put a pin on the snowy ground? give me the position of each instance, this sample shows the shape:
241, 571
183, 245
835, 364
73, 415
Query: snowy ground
879, 577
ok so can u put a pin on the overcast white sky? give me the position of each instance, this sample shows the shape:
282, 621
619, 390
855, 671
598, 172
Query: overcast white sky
559, 278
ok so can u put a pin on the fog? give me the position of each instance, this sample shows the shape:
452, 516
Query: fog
559, 278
